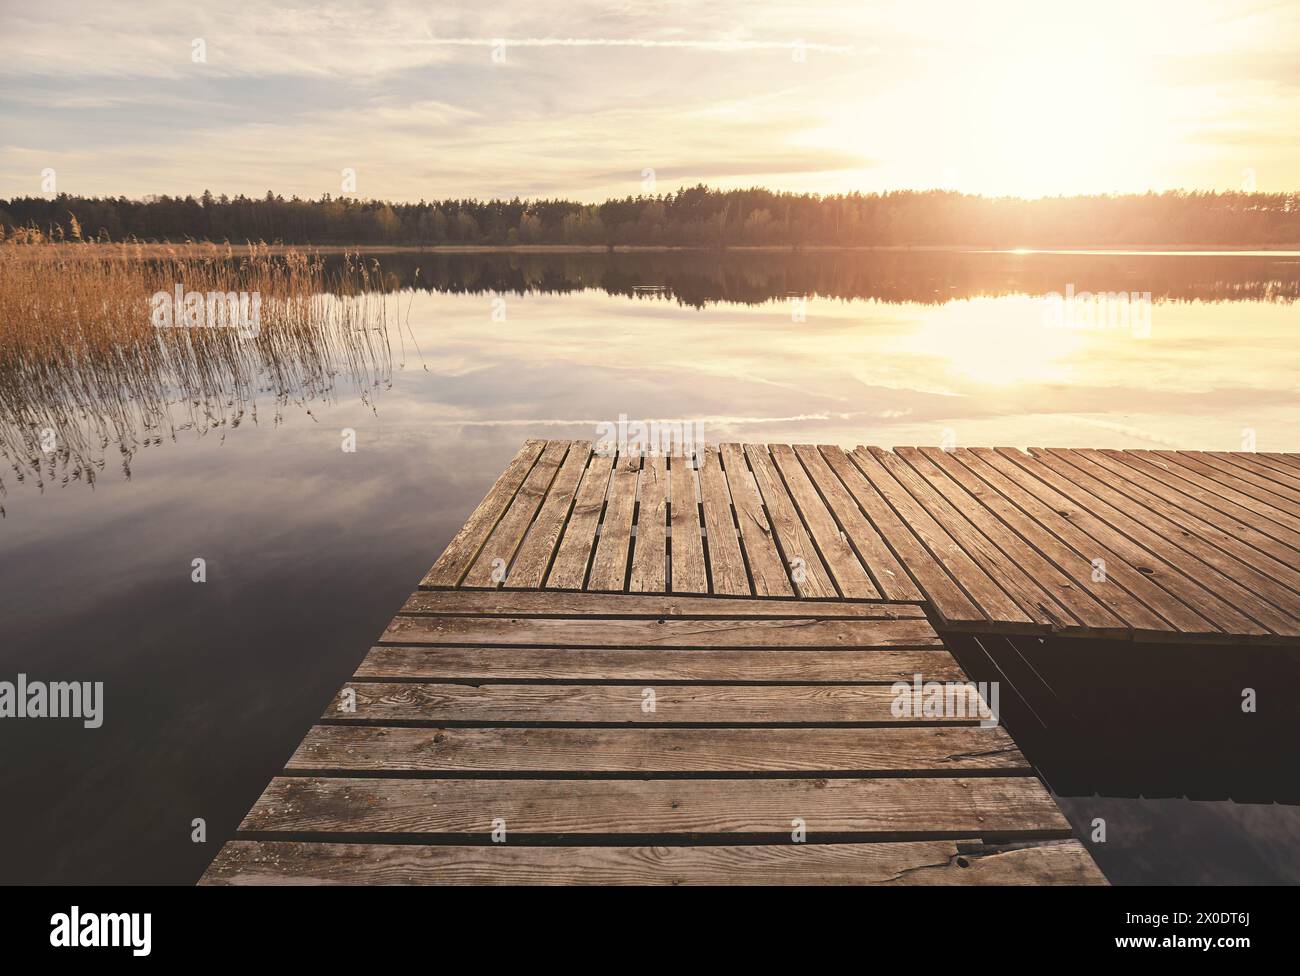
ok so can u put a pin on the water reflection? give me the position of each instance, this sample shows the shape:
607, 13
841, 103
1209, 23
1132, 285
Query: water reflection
86, 371
752, 277
311, 550
891, 346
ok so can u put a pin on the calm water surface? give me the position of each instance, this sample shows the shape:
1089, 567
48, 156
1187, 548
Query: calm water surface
311, 550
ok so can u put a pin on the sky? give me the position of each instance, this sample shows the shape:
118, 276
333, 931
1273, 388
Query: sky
588, 101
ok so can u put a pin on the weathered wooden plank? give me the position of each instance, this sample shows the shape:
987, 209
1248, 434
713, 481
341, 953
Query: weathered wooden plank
1209, 565
688, 572
851, 579
944, 862
994, 603
768, 573
660, 633
1272, 470
1039, 535
465, 545
1239, 471
1033, 599
1268, 556
1117, 585
1293, 460
891, 578
1191, 580
949, 600
805, 666
1272, 465
1090, 615
990, 807
569, 571
1177, 482
407, 701
609, 567
726, 564
946, 751
489, 569
1266, 507
534, 558
809, 576
650, 555
554, 603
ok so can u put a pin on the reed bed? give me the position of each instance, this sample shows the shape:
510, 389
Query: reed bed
83, 366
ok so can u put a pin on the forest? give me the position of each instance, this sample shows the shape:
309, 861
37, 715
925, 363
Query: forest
698, 216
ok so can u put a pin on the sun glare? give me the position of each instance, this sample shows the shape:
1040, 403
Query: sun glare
995, 342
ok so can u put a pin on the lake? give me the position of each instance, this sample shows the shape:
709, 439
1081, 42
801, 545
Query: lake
310, 549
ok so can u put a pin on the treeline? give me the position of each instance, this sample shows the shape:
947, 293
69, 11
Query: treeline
694, 217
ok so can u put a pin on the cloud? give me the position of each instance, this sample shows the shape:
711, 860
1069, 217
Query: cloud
815, 96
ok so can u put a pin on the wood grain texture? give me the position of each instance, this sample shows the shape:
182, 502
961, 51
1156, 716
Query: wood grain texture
1242, 478
1088, 613
650, 555
955, 751
1251, 550
891, 578
941, 590
534, 557
1196, 546
982, 589
689, 573
1234, 603
944, 862
1075, 550
552, 603
1167, 592
981, 806
803, 564
1231, 496
1271, 468
660, 633
569, 570
1177, 485
1036, 602
609, 566
726, 562
379, 702
464, 547
781, 666
851, 578
489, 569
769, 575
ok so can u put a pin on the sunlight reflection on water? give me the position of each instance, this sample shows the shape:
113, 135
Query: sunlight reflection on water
311, 549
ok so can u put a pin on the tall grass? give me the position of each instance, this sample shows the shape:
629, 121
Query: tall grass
82, 367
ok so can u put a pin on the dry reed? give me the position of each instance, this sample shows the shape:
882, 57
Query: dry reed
83, 367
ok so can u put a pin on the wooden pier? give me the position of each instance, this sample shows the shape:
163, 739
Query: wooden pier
1145, 545
682, 671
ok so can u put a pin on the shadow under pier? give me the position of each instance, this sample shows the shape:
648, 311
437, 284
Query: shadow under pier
1118, 718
